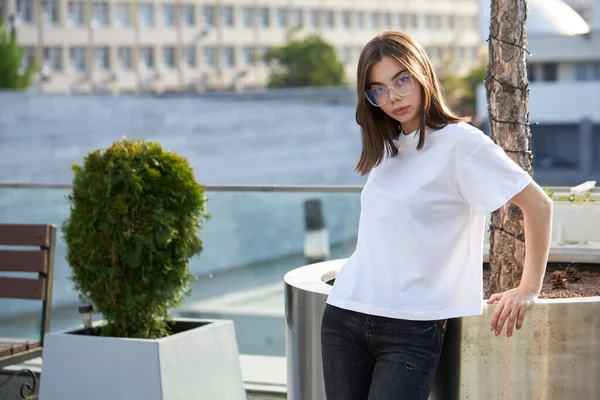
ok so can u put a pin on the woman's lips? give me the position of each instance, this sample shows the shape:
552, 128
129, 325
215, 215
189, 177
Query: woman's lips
400, 110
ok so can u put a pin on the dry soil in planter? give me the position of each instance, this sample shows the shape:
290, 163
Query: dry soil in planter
588, 286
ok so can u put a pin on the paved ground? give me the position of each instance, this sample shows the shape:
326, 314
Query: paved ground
10, 391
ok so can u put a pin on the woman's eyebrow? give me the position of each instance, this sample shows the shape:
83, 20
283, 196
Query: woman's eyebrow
396, 75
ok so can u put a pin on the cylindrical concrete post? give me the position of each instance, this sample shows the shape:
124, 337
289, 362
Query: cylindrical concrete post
316, 239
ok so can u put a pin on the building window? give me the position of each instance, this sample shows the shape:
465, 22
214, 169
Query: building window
189, 56
387, 21
25, 11
282, 17
330, 19
188, 15
78, 59
210, 57
123, 15
297, 18
581, 72
28, 57
228, 16
247, 14
102, 57
168, 15
229, 56
430, 22
346, 19
100, 13
531, 76
587, 71
474, 53
247, 55
260, 53
51, 12
413, 21
359, 19
313, 18
209, 15
146, 14
451, 22
147, 57
53, 58
76, 13
125, 58
555, 146
169, 57
263, 17
374, 20
550, 72
596, 71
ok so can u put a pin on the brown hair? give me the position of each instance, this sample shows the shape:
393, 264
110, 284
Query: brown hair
378, 130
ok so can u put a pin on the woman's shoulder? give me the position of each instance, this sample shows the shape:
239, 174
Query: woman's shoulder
464, 137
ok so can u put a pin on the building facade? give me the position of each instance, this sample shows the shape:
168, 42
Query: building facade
179, 45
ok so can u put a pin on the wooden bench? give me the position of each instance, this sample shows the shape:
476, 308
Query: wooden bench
26, 249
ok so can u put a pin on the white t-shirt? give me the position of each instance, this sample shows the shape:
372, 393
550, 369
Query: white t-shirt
419, 253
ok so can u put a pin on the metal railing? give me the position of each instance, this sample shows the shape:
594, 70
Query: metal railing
255, 188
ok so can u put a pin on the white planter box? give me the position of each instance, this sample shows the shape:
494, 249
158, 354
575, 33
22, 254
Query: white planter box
576, 222
200, 362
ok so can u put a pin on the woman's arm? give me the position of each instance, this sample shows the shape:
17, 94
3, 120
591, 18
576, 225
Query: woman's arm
513, 304
537, 212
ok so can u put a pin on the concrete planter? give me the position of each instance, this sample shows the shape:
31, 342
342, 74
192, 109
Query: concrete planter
575, 233
575, 222
553, 357
201, 361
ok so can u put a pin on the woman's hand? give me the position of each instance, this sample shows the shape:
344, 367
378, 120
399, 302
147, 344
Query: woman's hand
512, 306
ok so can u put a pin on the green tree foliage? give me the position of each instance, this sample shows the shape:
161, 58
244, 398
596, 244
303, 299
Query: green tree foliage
305, 62
12, 75
461, 91
136, 210
476, 77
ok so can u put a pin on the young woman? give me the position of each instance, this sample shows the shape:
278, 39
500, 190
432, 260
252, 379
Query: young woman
432, 179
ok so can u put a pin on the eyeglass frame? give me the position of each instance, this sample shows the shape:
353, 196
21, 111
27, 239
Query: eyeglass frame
401, 96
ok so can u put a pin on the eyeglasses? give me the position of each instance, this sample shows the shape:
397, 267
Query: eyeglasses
379, 96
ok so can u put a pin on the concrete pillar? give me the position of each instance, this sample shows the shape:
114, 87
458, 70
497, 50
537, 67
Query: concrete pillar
10, 8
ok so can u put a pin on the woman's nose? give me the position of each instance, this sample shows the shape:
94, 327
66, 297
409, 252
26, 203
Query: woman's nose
392, 95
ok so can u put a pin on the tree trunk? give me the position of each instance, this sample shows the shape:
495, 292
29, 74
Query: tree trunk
508, 111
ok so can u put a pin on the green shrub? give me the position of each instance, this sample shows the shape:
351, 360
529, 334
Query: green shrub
136, 210
586, 197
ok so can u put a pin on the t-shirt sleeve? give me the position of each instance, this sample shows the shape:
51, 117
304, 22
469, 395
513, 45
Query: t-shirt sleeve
490, 179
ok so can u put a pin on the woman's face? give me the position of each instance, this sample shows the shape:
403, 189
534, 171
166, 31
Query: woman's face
394, 91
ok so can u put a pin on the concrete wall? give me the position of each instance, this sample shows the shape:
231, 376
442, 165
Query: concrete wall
566, 102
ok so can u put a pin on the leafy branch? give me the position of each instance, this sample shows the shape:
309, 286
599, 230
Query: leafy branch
586, 197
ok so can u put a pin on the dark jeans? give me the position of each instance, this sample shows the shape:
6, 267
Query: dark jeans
368, 357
